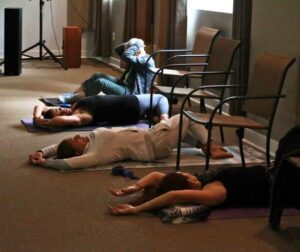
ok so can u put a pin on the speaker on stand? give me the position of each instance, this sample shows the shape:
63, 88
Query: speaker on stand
12, 41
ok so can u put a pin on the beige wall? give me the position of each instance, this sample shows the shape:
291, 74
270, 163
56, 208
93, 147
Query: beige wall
275, 29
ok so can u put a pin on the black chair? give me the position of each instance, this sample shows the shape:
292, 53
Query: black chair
286, 187
216, 72
193, 59
262, 98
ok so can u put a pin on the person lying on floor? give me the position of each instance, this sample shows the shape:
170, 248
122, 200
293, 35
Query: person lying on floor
113, 109
104, 146
237, 186
132, 81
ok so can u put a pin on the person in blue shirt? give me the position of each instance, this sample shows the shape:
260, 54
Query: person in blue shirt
136, 78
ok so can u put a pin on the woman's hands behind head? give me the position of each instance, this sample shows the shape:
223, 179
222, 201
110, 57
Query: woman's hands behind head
139, 43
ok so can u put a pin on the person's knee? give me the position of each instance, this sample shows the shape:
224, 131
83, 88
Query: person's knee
98, 75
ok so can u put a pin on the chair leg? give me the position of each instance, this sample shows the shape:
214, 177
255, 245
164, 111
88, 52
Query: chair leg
171, 106
268, 150
179, 143
221, 128
190, 103
222, 134
240, 134
207, 155
150, 108
202, 106
275, 217
275, 209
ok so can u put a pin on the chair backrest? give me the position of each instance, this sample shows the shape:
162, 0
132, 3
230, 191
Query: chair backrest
221, 58
267, 78
203, 42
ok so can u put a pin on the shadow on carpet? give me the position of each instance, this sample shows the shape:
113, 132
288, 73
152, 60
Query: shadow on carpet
234, 213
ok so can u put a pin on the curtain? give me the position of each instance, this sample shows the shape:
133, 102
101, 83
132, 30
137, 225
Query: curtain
102, 42
130, 20
171, 25
78, 13
139, 21
241, 30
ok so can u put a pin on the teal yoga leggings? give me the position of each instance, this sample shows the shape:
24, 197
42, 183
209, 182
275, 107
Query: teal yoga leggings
105, 83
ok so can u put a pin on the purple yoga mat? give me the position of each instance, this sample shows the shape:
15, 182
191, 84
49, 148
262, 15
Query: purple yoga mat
234, 213
28, 123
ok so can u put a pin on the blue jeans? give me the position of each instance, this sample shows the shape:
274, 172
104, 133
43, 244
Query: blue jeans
105, 83
160, 104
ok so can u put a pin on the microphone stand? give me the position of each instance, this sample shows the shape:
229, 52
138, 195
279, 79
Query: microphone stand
41, 42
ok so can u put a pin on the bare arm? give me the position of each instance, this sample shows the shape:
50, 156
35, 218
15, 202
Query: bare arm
69, 120
39, 157
149, 180
38, 110
214, 195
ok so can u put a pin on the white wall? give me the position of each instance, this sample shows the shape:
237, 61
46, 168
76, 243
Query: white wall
198, 18
275, 29
30, 30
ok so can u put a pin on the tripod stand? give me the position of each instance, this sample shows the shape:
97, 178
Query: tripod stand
41, 42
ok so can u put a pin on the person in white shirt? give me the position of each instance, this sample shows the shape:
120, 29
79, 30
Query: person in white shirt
105, 146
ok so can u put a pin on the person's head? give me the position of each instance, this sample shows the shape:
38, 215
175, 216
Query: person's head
71, 147
54, 112
178, 181
139, 43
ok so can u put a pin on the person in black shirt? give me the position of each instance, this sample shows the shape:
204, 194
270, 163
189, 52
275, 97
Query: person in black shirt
113, 109
237, 186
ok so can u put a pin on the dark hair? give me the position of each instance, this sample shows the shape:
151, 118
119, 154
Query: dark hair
65, 150
48, 114
170, 182
173, 181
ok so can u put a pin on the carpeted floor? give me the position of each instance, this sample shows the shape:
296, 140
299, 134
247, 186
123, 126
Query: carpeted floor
45, 210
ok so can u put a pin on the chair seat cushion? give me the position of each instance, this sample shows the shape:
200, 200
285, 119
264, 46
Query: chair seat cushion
227, 121
181, 91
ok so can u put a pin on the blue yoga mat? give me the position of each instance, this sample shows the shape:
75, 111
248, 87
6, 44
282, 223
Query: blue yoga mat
29, 125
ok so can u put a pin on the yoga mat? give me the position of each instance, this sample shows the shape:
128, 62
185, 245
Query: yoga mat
190, 157
29, 125
234, 213
194, 213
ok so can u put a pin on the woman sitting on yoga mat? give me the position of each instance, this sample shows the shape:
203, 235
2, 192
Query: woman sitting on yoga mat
238, 186
113, 109
136, 79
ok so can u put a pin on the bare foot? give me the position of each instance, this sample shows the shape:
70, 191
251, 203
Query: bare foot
218, 152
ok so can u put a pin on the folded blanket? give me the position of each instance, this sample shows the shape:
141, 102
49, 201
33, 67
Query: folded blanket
179, 214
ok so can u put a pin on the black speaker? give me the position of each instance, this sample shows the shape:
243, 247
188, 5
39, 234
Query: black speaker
12, 41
